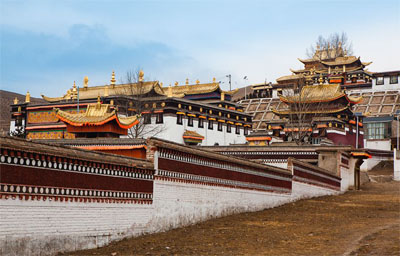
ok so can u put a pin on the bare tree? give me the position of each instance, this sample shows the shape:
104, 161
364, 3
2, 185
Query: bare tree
336, 45
136, 90
300, 113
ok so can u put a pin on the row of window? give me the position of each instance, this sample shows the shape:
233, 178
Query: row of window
179, 120
378, 130
393, 80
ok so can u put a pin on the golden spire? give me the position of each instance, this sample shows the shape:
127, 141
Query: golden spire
28, 97
222, 96
112, 79
176, 83
214, 80
74, 87
15, 100
85, 82
161, 84
187, 80
141, 75
106, 91
197, 81
98, 105
321, 80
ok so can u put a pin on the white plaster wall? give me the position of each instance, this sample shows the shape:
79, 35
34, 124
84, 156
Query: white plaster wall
386, 84
378, 144
280, 165
347, 178
173, 132
370, 163
396, 174
179, 204
30, 227
302, 190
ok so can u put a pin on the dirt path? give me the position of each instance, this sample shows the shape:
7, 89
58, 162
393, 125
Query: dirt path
363, 222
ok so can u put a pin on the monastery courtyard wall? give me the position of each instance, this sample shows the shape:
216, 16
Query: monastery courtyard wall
56, 199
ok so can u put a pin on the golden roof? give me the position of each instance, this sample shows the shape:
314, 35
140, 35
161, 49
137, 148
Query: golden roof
318, 111
319, 93
289, 77
181, 91
192, 135
96, 114
112, 90
341, 61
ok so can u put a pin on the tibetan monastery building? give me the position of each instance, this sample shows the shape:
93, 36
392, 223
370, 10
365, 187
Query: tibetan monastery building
187, 114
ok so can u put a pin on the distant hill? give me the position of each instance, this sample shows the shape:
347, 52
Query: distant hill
6, 99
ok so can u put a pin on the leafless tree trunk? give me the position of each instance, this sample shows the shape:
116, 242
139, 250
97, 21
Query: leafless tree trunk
137, 92
300, 114
336, 45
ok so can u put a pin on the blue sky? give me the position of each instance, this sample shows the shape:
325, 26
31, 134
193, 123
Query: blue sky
46, 45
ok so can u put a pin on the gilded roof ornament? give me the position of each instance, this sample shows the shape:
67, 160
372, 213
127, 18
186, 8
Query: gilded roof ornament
113, 79
16, 100
197, 81
85, 82
141, 75
187, 80
98, 104
321, 80
74, 87
214, 80
27, 97
176, 83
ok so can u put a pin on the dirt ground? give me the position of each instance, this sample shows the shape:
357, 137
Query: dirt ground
365, 222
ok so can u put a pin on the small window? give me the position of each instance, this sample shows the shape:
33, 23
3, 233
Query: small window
237, 129
228, 128
201, 123
147, 119
246, 130
179, 119
18, 121
190, 121
220, 126
394, 79
160, 118
379, 80
210, 124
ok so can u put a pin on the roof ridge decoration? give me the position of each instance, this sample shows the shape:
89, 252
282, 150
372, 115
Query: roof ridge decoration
96, 115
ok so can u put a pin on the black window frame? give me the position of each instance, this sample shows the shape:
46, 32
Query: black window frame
219, 128
190, 121
179, 119
160, 118
201, 123
394, 81
237, 131
246, 130
210, 125
228, 128
147, 119
380, 82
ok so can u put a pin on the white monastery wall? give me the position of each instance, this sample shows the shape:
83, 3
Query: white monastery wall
378, 144
173, 132
301, 190
179, 204
29, 227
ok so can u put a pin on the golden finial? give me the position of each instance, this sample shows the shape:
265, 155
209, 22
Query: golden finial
85, 82
111, 102
15, 100
176, 83
345, 53
187, 80
28, 97
197, 81
112, 78
98, 105
321, 80
222, 96
106, 91
214, 80
74, 87
161, 84
141, 75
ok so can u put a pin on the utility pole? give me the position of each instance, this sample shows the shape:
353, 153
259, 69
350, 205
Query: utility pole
230, 81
